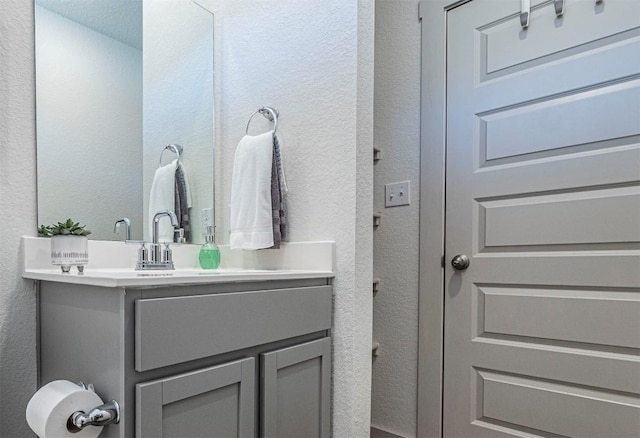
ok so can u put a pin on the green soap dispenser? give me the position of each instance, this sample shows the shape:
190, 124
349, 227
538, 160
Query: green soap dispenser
209, 253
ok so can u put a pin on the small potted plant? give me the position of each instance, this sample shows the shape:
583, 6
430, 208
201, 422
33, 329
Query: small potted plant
68, 244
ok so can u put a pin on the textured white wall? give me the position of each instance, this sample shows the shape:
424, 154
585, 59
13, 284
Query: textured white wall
178, 98
89, 105
363, 302
314, 61
397, 133
18, 206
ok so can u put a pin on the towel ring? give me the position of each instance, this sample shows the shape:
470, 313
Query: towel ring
175, 148
269, 113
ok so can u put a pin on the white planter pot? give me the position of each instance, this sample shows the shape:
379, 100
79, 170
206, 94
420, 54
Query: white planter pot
69, 251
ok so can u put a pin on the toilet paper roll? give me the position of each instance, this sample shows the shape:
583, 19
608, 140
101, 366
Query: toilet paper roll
51, 406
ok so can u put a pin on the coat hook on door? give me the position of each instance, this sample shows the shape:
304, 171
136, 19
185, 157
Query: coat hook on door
525, 13
559, 6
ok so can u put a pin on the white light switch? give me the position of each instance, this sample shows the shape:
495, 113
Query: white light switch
207, 217
396, 194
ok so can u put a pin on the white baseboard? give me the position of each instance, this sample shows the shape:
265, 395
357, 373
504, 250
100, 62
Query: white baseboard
379, 433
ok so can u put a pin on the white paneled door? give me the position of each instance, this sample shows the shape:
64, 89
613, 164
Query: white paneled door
542, 329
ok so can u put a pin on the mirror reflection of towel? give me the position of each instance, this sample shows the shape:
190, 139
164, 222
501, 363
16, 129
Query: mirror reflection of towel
182, 201
161, 198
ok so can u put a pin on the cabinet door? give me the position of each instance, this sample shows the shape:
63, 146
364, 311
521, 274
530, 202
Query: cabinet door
296, 388
212, 402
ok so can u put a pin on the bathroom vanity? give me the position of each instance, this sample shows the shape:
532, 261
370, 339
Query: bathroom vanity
236, 353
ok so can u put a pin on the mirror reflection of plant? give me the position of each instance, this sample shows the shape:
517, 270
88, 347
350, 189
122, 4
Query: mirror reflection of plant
67, 228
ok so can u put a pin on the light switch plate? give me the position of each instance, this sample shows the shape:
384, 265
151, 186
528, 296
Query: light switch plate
396, 194
207, 217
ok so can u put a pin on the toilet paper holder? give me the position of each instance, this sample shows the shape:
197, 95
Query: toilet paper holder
107, 413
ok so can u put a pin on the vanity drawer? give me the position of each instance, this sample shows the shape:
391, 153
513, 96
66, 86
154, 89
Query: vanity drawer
180, 329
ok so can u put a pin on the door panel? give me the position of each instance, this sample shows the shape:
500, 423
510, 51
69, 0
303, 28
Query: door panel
559, 314
542, 331
554, 406
587, 123
564, 218
563, 171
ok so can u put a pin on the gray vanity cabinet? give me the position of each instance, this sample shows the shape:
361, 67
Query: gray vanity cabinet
219, 398
246, 359
296, 391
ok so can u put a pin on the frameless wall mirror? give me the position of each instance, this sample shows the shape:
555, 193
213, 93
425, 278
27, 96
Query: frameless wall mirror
116, 82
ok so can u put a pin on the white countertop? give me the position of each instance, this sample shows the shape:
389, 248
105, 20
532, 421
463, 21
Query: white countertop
132, 278
112, 264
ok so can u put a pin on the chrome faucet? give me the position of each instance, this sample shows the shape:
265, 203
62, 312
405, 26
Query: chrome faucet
157, 258
156, 255
127, 224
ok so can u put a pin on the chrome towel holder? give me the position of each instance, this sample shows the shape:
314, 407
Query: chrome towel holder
269, 113
175, 148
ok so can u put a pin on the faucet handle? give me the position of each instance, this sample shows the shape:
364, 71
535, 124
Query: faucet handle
143, 253
167, 256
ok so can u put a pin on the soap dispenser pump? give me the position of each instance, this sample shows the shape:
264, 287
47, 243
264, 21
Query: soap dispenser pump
209, 256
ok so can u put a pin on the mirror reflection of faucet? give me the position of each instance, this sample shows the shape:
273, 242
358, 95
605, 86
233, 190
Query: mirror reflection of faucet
157, 257
127, 223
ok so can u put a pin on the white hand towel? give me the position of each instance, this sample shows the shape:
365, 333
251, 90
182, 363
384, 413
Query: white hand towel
162, 197
250, 223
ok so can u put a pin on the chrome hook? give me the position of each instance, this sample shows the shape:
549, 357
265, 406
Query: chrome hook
525, 13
